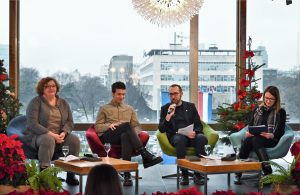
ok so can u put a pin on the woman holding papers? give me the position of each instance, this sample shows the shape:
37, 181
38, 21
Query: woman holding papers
273, 117
181, 121
49, 125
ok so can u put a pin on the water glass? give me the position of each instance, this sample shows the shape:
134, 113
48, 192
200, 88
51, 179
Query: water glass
237, 152
107, 147
207, 149
65, 151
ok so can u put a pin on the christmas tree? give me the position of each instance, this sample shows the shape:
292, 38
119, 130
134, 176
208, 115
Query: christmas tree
9, 104
233, 117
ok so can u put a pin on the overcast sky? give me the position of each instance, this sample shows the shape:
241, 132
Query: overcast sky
85, 34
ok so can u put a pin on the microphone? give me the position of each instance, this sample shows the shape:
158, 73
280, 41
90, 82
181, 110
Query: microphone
171, 110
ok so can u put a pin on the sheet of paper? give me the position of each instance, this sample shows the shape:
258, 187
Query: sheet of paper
211, 157
69, 158
186, 130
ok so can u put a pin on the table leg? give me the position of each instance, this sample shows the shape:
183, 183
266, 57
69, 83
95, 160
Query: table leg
205, 183
177, 176
80, 183
136, 181
228, 179
258, 185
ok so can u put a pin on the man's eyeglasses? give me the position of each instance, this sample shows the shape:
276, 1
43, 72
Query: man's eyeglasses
175, 94
50, 86
270, 99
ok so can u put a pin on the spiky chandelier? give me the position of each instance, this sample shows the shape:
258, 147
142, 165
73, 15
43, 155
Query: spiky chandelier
167, 12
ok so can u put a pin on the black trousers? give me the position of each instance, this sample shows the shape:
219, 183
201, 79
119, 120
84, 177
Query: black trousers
180, 142
255, 143
125, 136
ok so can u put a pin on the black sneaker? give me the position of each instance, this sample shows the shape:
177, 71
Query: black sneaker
127, 179
72, 180
237, 179
198, 179
184, 180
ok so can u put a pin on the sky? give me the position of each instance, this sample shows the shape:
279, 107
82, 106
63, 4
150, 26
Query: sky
84, 34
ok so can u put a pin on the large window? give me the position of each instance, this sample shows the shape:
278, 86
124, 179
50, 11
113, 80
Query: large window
87, 47
274, 26
217, 39
4, 38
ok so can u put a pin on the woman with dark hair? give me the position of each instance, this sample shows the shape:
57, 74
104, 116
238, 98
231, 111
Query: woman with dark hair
103, 180
271, 115
49, 125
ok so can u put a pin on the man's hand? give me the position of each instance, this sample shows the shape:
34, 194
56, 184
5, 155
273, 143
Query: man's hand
113, 126
191, 135
248, 134
172, 107
267, 135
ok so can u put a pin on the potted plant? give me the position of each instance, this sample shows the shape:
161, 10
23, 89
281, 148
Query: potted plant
45, 180
12, 166
284, 180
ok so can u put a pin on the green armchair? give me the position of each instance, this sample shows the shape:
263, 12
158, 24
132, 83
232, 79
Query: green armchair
168, 149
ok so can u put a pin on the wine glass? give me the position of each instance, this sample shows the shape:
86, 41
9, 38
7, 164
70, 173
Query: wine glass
107, 147
65, 151
207, 149
237, 152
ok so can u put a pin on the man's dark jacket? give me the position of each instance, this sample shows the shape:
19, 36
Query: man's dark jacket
191, 116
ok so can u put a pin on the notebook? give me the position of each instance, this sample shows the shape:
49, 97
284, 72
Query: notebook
257, 130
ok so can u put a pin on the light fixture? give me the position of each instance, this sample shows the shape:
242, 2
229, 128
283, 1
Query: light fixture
167, 12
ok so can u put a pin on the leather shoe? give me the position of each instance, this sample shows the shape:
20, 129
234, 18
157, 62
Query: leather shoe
184, 180
127, 179
198, 179
72, 180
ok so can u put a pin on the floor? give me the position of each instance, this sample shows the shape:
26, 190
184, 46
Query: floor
152, 182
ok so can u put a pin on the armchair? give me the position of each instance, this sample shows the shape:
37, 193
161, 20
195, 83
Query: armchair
17, 126
168, 149
279, 151
97, 146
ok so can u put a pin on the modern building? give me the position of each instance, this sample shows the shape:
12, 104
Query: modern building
217, 73
120, 68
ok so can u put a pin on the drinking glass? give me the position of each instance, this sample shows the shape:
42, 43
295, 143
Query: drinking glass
107, 147
237, 152
65, 151
207, 149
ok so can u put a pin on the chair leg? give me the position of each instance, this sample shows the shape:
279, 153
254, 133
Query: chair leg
175, 175
170, 176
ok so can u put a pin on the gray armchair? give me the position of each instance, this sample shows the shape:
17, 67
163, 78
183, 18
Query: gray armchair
279, 151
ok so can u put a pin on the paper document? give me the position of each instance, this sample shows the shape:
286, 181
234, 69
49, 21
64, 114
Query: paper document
211, 157
69, 158
186, 130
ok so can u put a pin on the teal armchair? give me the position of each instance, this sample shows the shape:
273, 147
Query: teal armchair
168, 149
279, 151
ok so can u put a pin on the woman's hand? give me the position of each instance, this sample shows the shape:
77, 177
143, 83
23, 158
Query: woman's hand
248, 134
267, 135
58, 138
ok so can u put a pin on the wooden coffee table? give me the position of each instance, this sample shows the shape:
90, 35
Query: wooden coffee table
208, 166
81, 167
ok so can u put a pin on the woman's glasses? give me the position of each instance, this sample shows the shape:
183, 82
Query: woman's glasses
270, 99
49, 86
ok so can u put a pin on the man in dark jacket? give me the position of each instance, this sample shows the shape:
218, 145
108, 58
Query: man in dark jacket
179, 114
